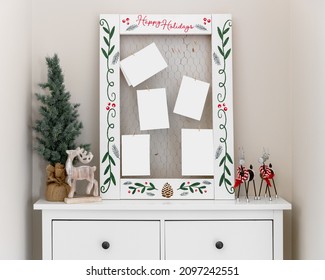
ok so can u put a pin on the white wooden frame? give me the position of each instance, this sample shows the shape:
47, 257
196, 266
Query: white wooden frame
219, 27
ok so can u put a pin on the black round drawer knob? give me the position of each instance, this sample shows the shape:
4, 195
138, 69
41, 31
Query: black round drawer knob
105, 245
219, 245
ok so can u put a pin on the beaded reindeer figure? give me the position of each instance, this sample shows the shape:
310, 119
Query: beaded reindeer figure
267, 174
81, 172
242, 175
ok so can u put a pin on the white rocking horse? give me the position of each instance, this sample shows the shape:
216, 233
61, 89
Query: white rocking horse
80, 172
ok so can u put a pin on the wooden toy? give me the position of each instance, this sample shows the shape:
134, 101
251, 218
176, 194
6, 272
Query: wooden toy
75, 174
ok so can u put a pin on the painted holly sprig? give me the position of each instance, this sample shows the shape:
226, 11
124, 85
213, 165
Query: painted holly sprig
225, 160
194, 187
138, 187
107, 52
224, 54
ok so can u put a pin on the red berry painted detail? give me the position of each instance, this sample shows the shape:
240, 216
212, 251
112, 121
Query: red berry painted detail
107, 108
123, 20
113, 105
226, 109
209, 20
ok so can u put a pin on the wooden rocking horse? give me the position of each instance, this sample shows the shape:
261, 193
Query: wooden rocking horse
81, 173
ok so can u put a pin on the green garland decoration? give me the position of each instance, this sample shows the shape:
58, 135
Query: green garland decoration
111, 112
222, 112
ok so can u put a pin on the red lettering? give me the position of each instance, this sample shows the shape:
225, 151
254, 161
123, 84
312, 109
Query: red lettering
164, 24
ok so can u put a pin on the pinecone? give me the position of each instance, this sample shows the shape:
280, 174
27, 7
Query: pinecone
167, 191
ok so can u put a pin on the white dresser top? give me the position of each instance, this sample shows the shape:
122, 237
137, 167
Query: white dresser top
152, 205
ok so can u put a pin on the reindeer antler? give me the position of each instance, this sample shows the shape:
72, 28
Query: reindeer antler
264, 157
84, 156
241, 156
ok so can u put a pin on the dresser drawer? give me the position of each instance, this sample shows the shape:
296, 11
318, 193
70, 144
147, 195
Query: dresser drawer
240, 239
93, 239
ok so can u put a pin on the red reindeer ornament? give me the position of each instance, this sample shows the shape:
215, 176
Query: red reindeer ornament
244, 176
267, 175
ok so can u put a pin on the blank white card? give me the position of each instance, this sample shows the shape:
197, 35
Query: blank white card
142, 65
153, 110
135, 155
191, 98
197, 152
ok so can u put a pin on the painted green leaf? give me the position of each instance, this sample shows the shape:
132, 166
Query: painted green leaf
225, 42
134, 191
183, 188
229, 158
132, 188
227, 53
112, 32
111, 50
222, 161
221, 51
104, 53
105, 157
227, 170
203, 187
194, 184
191, 189
151, 188
107, 169
107, 180
221, 179
201, 192
226, 31
113, 179
143, 189
228, 182
182, 185
106, 30
139, 185
152, 185
106, 41
220, 33
112, 160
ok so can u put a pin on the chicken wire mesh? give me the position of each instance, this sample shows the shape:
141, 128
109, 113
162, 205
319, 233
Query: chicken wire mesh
185, 55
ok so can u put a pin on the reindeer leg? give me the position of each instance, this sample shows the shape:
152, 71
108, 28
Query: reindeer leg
276, 193
246, 189
268, 188
254, 190
96, 191
72, 189
238, 192
259, 193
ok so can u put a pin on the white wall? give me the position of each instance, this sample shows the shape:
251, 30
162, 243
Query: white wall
308, 93
261, 73
15, 121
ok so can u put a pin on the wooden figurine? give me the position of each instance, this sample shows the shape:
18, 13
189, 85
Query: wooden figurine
267, 175
75, 174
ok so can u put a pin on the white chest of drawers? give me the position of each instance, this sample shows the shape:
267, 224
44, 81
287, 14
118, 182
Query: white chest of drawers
125, 229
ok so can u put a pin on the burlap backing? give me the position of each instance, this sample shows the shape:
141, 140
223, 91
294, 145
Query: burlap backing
56, 187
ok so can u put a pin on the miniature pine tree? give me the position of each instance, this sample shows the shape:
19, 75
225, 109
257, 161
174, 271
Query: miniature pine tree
58, 127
